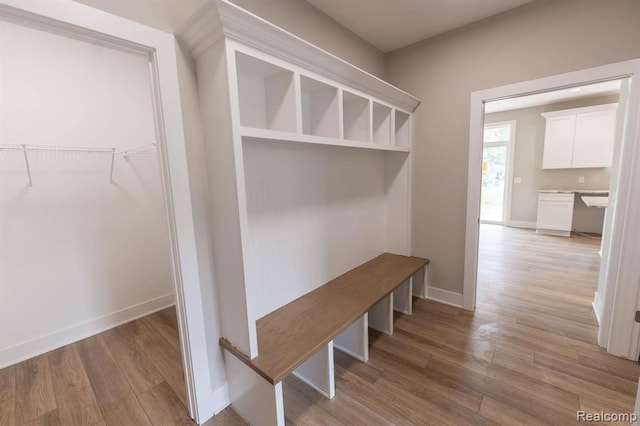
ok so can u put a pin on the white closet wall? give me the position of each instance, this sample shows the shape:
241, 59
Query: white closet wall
314, 212
77, 253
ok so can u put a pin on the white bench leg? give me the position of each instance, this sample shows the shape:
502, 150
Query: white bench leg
354, 341
317, 371
419, 281
402, 298
381, 315
256, 400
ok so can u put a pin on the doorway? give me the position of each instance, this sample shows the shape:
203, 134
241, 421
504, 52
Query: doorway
617, 332
497, 168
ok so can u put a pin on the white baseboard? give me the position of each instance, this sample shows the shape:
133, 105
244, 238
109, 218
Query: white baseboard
444, 296
597, 306
218, 401
57, 339
522, 224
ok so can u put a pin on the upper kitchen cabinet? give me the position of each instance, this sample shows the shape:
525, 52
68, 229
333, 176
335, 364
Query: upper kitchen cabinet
580, 137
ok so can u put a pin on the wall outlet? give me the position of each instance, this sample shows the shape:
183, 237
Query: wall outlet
517, 179
581, 179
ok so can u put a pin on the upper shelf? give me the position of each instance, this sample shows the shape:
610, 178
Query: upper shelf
272, 135
281, 103
220, 18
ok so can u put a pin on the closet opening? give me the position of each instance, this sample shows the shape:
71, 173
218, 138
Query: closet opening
86, 263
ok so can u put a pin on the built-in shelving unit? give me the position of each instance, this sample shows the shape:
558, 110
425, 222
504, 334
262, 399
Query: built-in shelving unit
309, 177
266, 95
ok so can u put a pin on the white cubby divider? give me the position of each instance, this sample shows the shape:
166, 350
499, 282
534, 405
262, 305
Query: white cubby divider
356, 117
266, 95
381, 124
320, 112
403, 131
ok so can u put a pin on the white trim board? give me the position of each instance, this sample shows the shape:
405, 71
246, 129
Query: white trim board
618, 332
597, 306
25, 350
444, 296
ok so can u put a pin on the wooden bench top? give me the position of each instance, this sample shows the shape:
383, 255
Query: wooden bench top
290, 335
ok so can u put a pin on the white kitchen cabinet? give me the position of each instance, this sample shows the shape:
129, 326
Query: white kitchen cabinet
555, 214
580, 137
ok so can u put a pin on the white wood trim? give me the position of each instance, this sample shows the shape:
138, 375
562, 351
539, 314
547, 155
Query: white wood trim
256, 400
82, 22
222, 18
318, 371
618, 331
445, 296
597, 306
57, 339
354, 341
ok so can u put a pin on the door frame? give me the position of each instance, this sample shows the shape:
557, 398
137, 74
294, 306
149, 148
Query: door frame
618, 332
508, 178
78, 21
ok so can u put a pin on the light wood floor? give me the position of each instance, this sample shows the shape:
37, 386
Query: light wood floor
528, 355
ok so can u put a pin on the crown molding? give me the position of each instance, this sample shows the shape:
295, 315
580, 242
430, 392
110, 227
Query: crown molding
221, 19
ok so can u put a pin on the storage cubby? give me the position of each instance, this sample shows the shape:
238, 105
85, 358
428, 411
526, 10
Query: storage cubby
320, 111
266, 95
356, 117
402, 129
381, 124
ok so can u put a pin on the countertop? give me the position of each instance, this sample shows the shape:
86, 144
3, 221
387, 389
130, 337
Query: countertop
598, 202
574, 191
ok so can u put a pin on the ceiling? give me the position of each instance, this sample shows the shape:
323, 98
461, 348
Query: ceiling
386, 24
390, 25
546, 98
165, 15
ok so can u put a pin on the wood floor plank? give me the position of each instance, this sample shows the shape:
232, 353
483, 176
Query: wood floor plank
77, 404
368, 395
578, 386
34, 390
52, 418
299, 411
165, 323
513, 396
165, 358
163, 406
365, 371
504, 414
226, 417
132, 360
345, 409
616, 383
117, 400
8, 396
447, 394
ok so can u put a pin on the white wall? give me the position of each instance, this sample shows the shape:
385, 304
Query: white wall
314, 213
529, 147
536, 40
77, 253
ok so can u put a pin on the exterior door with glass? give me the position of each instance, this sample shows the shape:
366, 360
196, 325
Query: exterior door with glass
497, 167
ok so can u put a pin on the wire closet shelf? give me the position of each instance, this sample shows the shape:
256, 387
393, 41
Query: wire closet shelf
126, 154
